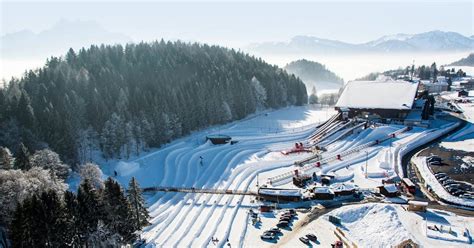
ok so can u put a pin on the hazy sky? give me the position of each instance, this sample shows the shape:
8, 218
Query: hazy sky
237, 24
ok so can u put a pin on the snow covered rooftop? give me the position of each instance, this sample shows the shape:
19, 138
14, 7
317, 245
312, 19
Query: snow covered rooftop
323, 190
418, 203
343, 187
279, 192
378, 95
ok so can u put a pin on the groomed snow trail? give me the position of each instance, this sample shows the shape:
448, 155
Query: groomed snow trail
193, 220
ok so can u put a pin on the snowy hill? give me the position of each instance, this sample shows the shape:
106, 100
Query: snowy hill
468, 61
422, 42
314, 74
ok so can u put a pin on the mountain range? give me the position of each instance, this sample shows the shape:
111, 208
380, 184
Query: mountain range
433, 41
58, 39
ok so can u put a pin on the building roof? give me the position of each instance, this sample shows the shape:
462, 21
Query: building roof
323, 190
378, 95
418, 203
338, 187
390, 188
279, 192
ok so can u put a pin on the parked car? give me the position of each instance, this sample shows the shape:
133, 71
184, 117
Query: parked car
282, 224
448, 182
435, 163
292, 211
457, 192
337, 244
267, 236
452, 189
467, 195
444, 179
311, 237
433, 158
285, 219
440, 176
288, 214
441, 173
304, 240
274, 230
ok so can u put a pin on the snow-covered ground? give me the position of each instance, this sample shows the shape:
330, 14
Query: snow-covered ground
463, 145
194, 220
386, 225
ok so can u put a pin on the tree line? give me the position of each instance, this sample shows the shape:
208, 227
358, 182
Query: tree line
38, 210
124, 99
93, 218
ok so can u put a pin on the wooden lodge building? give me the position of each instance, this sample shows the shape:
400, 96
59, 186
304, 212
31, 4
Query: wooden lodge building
377, 99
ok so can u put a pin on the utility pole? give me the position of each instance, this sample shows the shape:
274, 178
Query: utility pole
257, 181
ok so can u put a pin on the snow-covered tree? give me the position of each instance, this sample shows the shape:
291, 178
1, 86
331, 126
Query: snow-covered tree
140, 214
118, 212
90, 209
129, 140
227, 113
6, 159
260, 93
87, 143
48, 159
313, 98
93, 174
22, 160
102, 236
17, 185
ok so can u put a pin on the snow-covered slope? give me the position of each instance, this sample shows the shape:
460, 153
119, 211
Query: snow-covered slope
194, 220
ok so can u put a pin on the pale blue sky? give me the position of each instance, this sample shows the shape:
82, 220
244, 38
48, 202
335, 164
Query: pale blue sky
237, 24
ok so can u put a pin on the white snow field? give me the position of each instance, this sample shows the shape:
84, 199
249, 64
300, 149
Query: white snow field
386, 225
195, 220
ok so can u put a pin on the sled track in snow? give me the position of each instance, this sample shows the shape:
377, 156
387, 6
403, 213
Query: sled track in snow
195, 203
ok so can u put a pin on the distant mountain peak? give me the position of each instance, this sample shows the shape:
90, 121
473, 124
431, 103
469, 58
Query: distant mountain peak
57, 39
435, 40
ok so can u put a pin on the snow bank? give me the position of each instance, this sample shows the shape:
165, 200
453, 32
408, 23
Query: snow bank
430, 180
464, 145
372, 224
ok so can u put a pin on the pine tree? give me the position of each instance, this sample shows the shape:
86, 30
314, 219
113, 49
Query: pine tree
313, 98
51, 219
70, 233
140, 213
25, 112
117, 210
90, 210
6, 159
22, 160
20, 227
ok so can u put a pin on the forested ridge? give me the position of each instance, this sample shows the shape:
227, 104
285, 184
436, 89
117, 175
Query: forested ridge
123, 99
